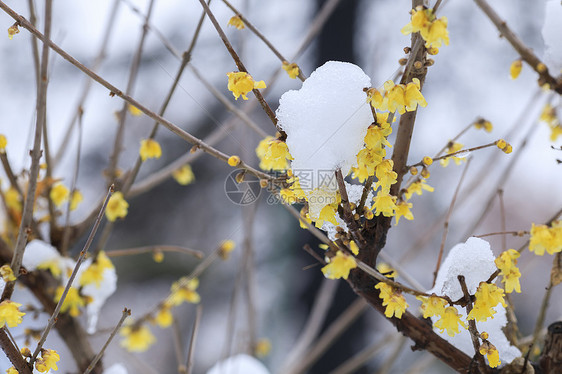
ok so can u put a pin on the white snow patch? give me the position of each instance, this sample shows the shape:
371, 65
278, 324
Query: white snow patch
551, 34
475, 260
239, 364
99, 295
116, 369
38, 252
325, 121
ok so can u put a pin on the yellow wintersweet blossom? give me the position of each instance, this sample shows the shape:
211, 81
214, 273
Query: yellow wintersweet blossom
7, 273
136, 338
386, 270
76, 199
117, 207
10, 314
386, 177
94, 272
452, 148
393, 300
164, 317
233, 161
263, 347
134, 110
150, 148
489, 350
384, 203
353, 247
72, 302
515, 68
13, 199
184, 175
544, 238
432, 305
3, 143
403, 210
12, 370
291, 69
327, 214
273, 154
450, 321
59, 194
13, 30
367, 161
413, 96
555, 132
237, 22
339, 266
433, 31
487, 297
225, 248
48, 361
506, 263
417, 188
184, 291
377, 135
397, 97
549, 116
481, 123
240, 83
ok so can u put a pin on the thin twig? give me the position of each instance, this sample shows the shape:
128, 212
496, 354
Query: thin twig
502, 219
178, 345
389, 362
191, 351
154, 248
347, 213
126, 313
354, 363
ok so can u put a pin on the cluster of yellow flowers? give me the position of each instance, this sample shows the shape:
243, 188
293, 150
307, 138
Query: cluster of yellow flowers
273, 154
487, 297
393, 300
117, 207
397, 97
136, 338
341, 264
545, 238
506, 263
291, 69
72, 303
47, 361
10, 314
432, 30
550, 117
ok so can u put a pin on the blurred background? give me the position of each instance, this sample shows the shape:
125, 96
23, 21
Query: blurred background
470, 78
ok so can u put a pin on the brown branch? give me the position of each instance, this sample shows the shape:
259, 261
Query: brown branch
13, 354
347, 213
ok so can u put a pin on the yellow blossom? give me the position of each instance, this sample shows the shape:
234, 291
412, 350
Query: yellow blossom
7, 273
10, 314
403, 210
413, 96
393, 300
450, 321
273, 154
377, 135
150, 148
117, 207
427, 160
263, 347
396, 97
158, 256
237, 22
72, 302
432, 306
94, 272
328, 214
483, 124
385, 203
52, 265
433, 31
544, 238
549, 116
367, 161
76, 199
184, 175
515, 68
184, 291
13, 30
59, 194
506, 263
489, 350
48, 361
417, 188
12, 370
353, 247
291, 69
555, 132
386, 177
233, 161
136, 338
3, 143
13, 199
225, 248
240, 83
164, 317
134, 110
487, 297
452, 148
386, 270
339, 266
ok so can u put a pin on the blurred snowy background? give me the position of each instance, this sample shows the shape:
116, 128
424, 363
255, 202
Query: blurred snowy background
470, 78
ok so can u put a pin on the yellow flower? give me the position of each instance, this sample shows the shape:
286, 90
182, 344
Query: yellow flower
385, 204
506, 263
403, 210
413, 96
273, 154
487, 297
184, 290
134, 110
184, 175
549, 116
48, 361
13, 199
10, 314
304, 219
367, 161
72, 302
233, 161
450, 321
240, 83
386, 270
339, 266
291, 69
237, 22
164, 317
483, 124
377, 100
150, 148
7, 273
437, 34
432, 30
376, 136
432, 306
417, 188
226, 247
515, 68
393, 300
555, 132
3, 143
117, 207
353, 247
136, 338
544, 238
328, 213
59, 194
52, 265
13, 30
489, 350
263, 347
94, 272
396, 94
12, 370
386, 177
158, 256
452, 148
76, 199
